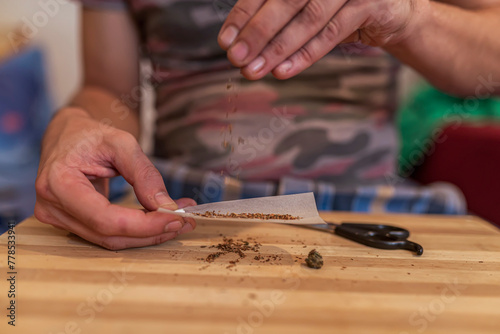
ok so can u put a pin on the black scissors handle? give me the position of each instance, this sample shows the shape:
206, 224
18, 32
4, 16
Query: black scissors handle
378, 236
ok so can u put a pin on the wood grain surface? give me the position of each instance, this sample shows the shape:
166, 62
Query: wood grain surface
66, 285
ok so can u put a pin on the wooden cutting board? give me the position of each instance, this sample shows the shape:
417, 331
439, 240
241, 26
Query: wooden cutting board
67, 285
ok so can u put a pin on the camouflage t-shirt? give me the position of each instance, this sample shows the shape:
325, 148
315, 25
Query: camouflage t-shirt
333, 122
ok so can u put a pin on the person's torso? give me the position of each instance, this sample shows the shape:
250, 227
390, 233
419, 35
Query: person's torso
332, 122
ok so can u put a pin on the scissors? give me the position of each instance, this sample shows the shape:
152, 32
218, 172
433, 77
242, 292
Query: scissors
372, 235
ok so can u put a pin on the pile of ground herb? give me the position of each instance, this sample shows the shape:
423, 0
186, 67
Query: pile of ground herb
262, 216
241, 248
314, 260
230, 245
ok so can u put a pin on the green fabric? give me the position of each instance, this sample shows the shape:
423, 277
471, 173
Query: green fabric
422, 116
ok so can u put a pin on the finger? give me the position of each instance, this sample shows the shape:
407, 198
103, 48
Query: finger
238, 17
185, 202
311, 20
339, 28
79, 199
139, 171
118, 243
263, 27
61, 219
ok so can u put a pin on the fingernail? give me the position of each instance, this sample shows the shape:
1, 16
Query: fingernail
229, 35
185, 229
239, 51
163, 200
257, 64
284, 66
174, 226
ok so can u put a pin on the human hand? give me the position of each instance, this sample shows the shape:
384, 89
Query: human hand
79, 155
287, 36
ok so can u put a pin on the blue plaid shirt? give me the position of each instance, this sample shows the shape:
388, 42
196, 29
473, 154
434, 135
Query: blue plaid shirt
400, 197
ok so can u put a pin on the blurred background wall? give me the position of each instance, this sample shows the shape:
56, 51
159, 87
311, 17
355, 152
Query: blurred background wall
58, 39
39, 72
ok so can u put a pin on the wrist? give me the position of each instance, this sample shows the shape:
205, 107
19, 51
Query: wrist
421, 12
69, 112
59, 124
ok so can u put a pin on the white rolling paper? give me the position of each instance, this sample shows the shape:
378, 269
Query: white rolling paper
299, 205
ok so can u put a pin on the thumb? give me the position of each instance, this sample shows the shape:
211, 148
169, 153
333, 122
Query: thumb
139, 171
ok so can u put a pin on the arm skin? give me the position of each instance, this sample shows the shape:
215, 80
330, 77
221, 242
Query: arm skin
455, 47
94, 139
111, 68
452, 43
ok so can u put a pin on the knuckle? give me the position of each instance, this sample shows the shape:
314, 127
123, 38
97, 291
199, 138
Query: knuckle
159, 239
118, 227
124, 138
149, 173
55, 178
241, 12
258, 31
306, 55
277, 48
331, 31
42, 186
41, 214
297, 4
313, 14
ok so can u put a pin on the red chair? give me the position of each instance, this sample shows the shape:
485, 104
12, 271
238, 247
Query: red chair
469, 157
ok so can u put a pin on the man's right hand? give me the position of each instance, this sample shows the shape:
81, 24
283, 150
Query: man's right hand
79, 155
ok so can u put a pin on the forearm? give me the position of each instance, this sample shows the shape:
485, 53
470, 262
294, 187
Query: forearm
456, 49
103, 106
